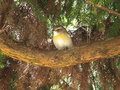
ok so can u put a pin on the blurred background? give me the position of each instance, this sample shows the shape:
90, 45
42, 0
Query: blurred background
30, 23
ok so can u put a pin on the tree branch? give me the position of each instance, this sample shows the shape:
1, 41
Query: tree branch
62, 58
104, 8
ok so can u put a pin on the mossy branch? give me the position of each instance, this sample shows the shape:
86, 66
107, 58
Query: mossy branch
104, 8
86, 53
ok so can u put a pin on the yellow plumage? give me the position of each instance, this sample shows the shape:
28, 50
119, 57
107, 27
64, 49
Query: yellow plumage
62, 40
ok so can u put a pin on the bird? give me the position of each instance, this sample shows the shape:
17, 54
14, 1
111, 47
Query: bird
61, 38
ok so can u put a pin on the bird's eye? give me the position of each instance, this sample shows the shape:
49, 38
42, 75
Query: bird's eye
57, 29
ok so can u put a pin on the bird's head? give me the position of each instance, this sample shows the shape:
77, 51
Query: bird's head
59, 29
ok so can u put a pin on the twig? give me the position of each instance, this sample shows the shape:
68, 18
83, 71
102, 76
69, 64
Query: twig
104, 8
5, 29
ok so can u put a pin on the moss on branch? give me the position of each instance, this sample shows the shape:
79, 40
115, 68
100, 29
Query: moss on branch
77, 55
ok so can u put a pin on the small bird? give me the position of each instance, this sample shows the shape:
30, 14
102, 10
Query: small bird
61, 38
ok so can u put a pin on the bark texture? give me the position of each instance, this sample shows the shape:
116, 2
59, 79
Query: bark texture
63, 58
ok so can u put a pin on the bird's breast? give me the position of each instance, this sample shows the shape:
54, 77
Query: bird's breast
62, 41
